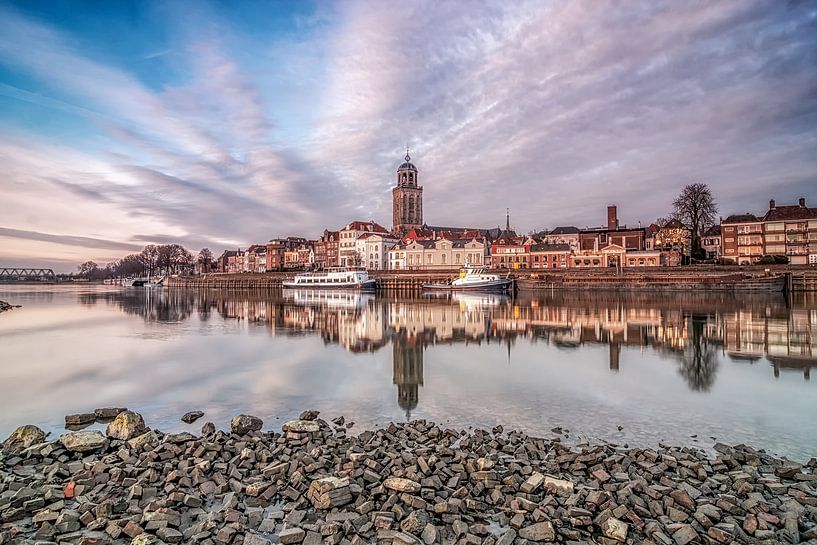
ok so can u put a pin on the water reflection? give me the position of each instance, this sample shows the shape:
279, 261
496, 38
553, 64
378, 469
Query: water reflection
690, 329
664, 367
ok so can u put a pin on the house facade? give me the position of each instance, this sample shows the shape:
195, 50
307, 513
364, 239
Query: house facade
564, 235
437, 254
326, 250
549, 256
509, 251
373, 250
348, 255
791, 231
742, 236
711, 242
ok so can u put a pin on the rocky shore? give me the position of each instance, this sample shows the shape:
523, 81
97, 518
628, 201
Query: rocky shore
4, 306
413, 483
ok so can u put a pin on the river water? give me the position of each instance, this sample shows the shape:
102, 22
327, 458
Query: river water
637, 369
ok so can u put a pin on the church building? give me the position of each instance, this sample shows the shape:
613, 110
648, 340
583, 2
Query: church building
407, 199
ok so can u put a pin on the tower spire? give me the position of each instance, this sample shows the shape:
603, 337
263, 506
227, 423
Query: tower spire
408, 157
507, 219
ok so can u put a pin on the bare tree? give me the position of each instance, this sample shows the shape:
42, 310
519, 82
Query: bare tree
695, 207
89, 269
150, 256
205, 259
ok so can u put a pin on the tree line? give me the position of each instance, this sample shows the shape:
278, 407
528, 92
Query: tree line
154, 260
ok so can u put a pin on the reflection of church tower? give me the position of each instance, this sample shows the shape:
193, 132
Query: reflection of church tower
407, 199
407, 372
615, 352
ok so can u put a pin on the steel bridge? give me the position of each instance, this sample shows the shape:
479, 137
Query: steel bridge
16, 274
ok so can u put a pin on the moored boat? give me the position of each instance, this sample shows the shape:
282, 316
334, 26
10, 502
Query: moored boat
340, 278
147, 282
473, 279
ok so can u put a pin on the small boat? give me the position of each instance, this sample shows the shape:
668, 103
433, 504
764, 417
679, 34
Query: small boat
340, 278
473, 279
147, 282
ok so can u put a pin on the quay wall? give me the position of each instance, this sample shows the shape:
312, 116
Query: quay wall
797, 278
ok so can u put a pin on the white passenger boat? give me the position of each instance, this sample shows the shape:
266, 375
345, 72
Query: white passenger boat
340, 278
473, 279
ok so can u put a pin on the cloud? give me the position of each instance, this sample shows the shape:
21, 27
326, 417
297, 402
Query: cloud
552, 109
68, 240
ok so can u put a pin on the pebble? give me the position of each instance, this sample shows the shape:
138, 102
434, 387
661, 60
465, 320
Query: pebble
410, 483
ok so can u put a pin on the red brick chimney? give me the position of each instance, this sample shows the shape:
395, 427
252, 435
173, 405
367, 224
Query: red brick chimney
771, 204
612, 219
802, 202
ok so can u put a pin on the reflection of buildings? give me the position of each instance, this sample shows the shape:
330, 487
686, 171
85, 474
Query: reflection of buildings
787, 337
690, 329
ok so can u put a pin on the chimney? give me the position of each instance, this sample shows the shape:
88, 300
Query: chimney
771, 204
612, 220
802, 202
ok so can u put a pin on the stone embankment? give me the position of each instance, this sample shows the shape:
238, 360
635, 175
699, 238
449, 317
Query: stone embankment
415, 483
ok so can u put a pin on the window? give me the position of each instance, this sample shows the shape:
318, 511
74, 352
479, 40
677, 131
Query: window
443, 259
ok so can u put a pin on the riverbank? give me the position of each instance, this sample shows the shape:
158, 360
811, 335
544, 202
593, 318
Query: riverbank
410, 483
707, 278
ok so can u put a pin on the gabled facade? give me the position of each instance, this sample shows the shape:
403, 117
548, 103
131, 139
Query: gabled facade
673, 235
326, 250
348, 255
509, 251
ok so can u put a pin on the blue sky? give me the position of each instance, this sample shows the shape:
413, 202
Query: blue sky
221, 124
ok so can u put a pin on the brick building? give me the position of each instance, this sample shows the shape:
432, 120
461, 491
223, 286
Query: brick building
742, 238
595, 239
791, 231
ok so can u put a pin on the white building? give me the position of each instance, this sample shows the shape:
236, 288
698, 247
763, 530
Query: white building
348, 255
437, 254
373, 250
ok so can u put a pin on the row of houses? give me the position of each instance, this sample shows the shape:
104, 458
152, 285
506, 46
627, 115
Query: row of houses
789, 231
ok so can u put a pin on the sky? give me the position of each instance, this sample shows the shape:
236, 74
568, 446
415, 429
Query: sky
222, 124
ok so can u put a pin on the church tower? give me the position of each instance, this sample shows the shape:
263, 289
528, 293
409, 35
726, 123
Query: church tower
407, 199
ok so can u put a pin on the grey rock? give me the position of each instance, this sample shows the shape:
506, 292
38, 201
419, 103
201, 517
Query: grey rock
23, 438
244, 424
83, 441
126, 426
192, 416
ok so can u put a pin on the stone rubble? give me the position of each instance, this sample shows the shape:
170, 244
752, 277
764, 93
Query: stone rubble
416, 483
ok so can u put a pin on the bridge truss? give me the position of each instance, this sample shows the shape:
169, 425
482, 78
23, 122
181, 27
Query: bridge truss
16, 274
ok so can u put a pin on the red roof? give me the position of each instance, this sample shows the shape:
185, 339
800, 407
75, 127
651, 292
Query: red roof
366, 226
